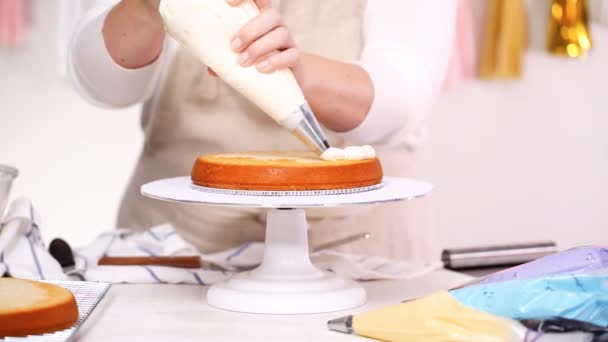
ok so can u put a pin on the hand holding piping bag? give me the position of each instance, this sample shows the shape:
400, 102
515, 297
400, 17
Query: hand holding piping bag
230, 39
266, 41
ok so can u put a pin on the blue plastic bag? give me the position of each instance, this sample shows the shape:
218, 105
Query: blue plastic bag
582, 297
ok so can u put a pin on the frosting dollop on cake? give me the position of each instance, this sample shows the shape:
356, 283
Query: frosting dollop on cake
349, 153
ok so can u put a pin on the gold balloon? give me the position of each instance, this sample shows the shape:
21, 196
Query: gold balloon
505, 40
569, 28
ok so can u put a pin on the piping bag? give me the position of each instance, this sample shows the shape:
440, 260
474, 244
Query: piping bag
569, 302
586, 259
582, 297
206, 28
440, 317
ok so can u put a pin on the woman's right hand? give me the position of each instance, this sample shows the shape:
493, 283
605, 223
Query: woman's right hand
134, 33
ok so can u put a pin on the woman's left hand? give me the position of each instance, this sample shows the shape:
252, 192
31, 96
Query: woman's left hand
265, 41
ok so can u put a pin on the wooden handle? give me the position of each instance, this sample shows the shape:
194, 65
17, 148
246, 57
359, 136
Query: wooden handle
179, 261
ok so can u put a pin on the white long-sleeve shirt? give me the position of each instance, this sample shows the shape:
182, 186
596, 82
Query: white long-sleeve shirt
406, 52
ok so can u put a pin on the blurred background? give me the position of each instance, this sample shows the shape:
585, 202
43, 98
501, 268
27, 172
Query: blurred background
517, 148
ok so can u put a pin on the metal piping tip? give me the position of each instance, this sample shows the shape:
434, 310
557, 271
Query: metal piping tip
309, 131
343, 325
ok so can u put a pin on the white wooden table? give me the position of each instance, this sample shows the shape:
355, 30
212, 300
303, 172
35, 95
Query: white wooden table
180, 313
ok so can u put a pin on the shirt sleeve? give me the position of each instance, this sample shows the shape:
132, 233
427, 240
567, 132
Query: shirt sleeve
406, 53
96, 76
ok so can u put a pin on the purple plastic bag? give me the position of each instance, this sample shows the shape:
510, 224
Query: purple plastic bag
577, 260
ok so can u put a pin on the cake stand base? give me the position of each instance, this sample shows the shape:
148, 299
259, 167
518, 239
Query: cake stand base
286, 282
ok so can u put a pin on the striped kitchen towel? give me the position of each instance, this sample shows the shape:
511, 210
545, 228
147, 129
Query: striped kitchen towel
23, 255
160, 240
22, 251
13, 22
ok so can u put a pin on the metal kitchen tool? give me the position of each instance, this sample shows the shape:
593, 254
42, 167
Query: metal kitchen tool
7, 175
286, 282
87, 294
322, 247
501, 255
341, 242
309, 131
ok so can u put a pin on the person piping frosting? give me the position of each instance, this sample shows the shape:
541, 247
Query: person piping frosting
368, 69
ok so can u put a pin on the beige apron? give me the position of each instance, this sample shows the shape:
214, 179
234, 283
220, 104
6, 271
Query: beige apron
200, 114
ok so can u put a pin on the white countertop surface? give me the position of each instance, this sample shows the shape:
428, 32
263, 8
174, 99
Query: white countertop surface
180, 313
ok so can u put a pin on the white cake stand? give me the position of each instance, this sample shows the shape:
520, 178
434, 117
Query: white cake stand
286, 282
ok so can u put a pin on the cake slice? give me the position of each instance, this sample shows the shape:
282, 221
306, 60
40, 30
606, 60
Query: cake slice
33, 308
283, 171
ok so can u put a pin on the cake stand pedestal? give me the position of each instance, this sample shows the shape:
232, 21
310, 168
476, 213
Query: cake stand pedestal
286, 282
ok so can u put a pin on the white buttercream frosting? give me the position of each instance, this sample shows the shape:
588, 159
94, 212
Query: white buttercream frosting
349, 153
